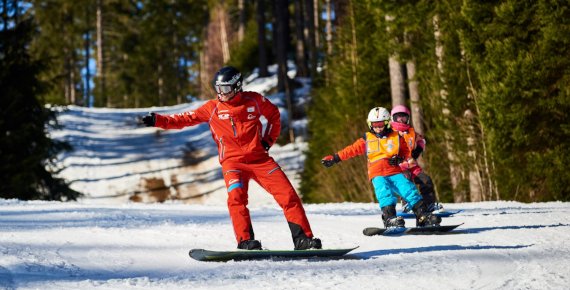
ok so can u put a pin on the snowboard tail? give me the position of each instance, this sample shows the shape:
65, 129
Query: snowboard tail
437, 230
223, 256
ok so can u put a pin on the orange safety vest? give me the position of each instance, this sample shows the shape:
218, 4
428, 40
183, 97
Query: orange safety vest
381, 148
410, 137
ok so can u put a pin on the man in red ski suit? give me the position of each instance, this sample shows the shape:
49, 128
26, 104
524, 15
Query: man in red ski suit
243, 153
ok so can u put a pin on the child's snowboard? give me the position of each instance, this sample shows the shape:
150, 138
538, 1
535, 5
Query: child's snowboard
435, 230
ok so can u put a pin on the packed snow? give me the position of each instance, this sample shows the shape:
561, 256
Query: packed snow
502, 245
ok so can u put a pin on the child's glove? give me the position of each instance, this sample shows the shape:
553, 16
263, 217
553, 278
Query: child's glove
395, 160
417, 152
330, 160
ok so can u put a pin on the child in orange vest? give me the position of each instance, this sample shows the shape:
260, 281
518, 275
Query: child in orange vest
385, 150
416, 144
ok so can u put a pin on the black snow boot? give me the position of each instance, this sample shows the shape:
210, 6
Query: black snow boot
390, 219
424, 218
249, 245
304, 243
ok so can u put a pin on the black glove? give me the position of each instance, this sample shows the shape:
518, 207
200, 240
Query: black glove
265, 145
149, 120
417, 152
395, 160
330, 160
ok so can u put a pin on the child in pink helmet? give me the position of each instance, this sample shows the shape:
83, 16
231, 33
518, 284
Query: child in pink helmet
416, 144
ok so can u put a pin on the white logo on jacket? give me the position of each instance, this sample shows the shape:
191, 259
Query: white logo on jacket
250, 109
250, 116
223, 116
232, 181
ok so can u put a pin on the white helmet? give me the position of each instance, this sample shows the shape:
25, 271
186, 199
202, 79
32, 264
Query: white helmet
378, 114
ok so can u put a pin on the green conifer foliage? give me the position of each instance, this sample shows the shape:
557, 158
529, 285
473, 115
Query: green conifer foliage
356, 80
520, 51
26, 153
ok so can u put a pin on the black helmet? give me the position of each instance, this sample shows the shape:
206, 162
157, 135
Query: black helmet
227, 79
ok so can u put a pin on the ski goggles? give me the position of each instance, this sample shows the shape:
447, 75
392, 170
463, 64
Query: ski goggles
223, 89
379, 124
401, 118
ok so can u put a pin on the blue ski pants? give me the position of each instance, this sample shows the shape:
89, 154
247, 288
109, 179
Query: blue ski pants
386, 186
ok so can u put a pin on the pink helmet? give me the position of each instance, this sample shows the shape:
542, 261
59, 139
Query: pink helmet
397, 125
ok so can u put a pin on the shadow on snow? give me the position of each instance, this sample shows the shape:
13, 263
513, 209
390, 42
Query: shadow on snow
372, 254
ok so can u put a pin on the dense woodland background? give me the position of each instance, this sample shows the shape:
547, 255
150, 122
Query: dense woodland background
488, 82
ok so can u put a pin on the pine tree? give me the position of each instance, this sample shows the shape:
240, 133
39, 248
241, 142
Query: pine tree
358, 81
60, 43
521, 54
27, 154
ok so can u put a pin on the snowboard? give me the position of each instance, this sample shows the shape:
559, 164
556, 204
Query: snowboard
224, 256
438, 230
439, 214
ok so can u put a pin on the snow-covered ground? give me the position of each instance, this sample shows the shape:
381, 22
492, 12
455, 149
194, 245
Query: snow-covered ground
502, 245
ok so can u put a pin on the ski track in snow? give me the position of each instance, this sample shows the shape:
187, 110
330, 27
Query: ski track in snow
502, 245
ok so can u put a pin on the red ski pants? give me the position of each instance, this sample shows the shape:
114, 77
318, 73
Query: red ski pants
269, 175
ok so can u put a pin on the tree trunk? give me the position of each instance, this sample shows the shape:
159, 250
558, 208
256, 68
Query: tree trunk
282, 19
415, 106
66, 69
397, 84
16, 12
274, 24
315, 12
160, 87
242, 19
101, 56
300, 58
328, 30
72, 95
454, 168
4, 14
487, 167
215, 51
311, 19
283, 84
475, 182
224, 34
263, 61
354, 51
87, 48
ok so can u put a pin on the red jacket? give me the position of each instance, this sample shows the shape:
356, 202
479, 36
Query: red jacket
234, 124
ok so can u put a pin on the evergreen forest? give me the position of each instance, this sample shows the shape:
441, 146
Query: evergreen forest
488, 82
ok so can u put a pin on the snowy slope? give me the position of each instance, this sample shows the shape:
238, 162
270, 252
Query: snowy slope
502, 245
115, 159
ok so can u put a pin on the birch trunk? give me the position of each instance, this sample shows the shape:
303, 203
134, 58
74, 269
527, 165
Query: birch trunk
454, 168
415, 106
397, 83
